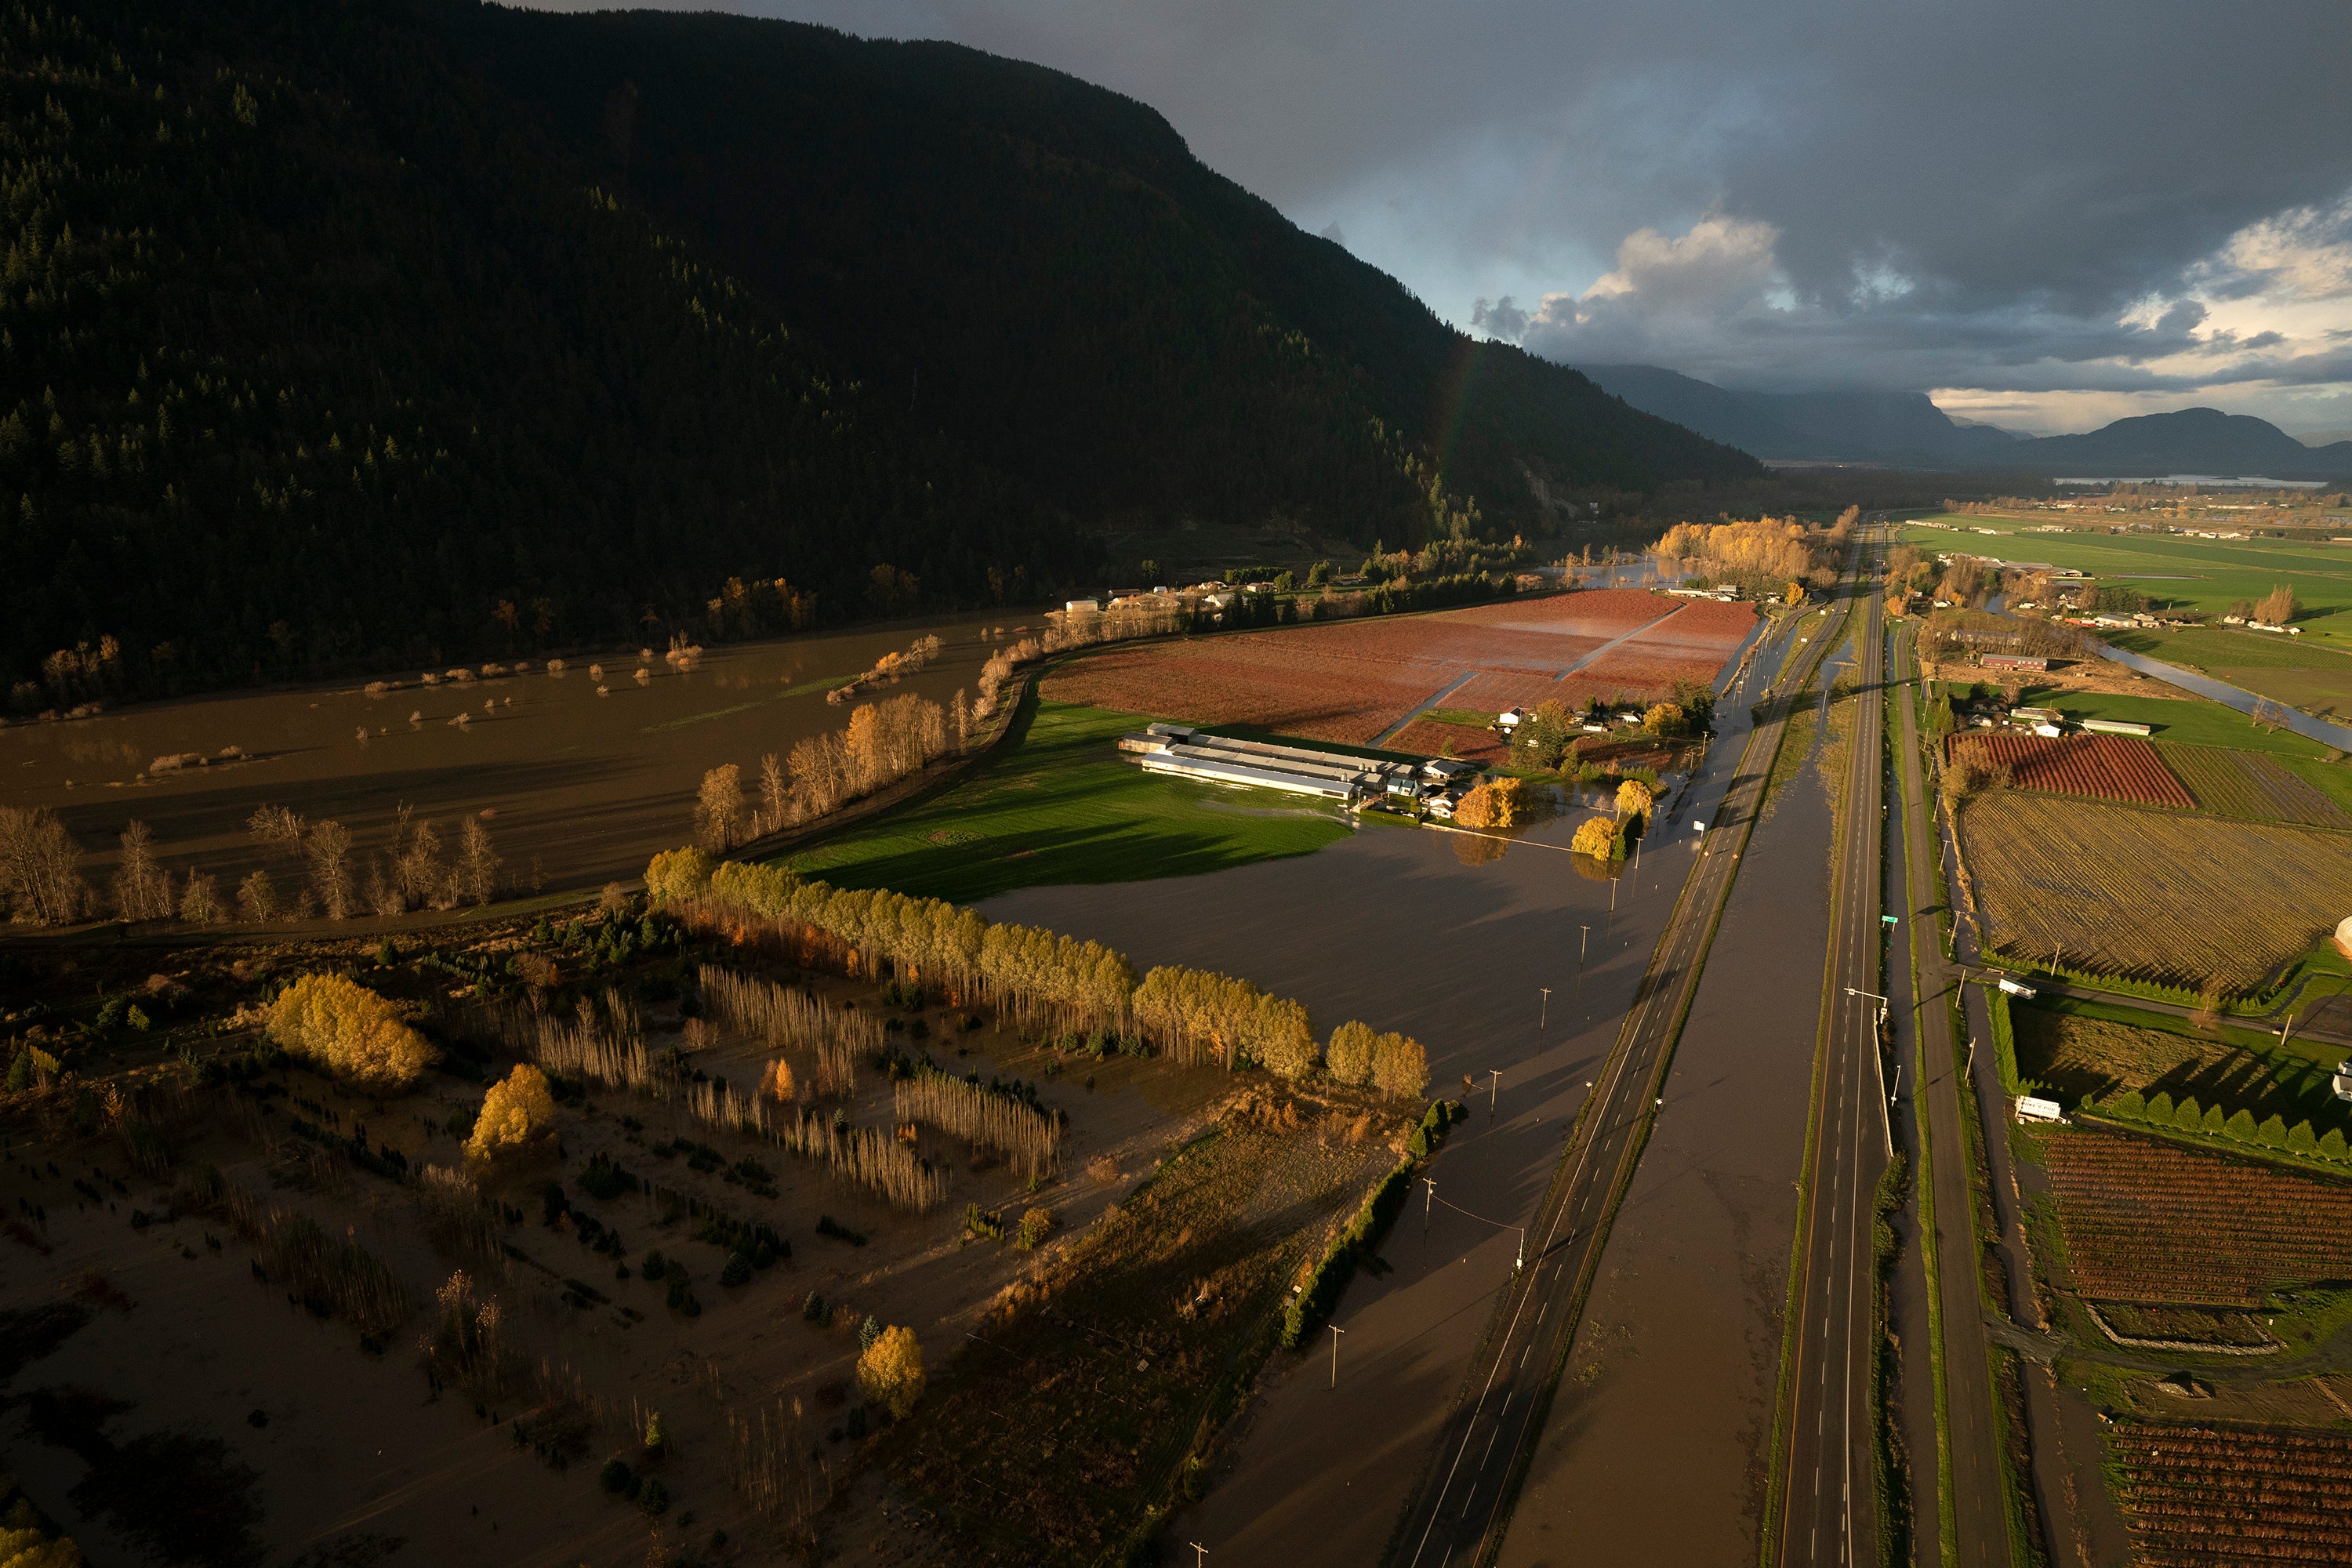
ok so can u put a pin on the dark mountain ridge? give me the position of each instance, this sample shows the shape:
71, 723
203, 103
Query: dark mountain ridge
1906, 428
359, 333
2190, 441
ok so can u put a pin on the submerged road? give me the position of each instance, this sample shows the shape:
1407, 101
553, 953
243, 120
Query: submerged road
1824, 1498
1976, 1509
1460, 1506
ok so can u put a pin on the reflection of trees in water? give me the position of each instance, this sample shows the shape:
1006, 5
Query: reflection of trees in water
1593, 869
1475, 849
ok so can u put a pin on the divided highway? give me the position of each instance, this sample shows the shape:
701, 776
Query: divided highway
1461, 1504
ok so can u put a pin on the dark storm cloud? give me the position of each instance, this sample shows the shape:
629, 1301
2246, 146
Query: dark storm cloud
1947, 191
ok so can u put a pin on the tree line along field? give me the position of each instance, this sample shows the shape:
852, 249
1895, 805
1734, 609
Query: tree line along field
2190, 901
1352, 680
2069, 1049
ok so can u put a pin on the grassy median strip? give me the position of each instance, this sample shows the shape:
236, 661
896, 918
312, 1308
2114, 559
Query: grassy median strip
1946, 1508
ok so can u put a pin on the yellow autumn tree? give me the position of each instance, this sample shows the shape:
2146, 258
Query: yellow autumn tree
890, 1372
1477, 807
1667, 719
1350, 1055
517, 1111
349, 1030
777, 1082
678, 874
1634, 798
1596, 838
1400, 1067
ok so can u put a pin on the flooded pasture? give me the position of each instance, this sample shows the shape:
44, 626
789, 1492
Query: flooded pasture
581, 773
1402, 930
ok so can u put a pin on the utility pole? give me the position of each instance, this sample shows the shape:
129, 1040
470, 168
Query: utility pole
1200, 1555
1545, 1017
1430, 1200
1336, 1331
1495, 1086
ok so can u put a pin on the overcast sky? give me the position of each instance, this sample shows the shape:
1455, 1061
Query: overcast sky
2050, 215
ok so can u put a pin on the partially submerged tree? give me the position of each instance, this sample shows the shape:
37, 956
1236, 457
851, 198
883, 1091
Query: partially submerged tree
350, 1030
1349, 1056
518, 1112
890, 1372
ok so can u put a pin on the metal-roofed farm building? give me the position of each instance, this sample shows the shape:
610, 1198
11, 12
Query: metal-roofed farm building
1218, 759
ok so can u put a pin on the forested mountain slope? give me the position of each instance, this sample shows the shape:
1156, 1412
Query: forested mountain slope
339, 334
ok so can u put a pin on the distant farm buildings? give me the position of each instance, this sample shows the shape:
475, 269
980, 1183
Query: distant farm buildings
1342, 777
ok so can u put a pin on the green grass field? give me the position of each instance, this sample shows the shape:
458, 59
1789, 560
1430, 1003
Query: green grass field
2302, 672
2205, 574
2192, 721
1057, 804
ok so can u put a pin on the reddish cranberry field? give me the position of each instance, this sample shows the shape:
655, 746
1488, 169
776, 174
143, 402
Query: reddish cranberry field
2101, 767
1351, 680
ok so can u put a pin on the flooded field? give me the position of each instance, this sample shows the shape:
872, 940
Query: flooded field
578, 786
1395, 927
1432, 933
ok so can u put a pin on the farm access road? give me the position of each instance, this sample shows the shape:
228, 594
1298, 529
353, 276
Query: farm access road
1974, 1510
1823, 1504
1460, 1507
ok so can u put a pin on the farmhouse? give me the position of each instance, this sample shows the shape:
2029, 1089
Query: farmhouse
2013, 661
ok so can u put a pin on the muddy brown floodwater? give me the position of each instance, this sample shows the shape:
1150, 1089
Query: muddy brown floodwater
579, 788
1659, 1440
1405, 931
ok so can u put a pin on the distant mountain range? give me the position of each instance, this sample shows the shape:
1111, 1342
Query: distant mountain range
1906, 430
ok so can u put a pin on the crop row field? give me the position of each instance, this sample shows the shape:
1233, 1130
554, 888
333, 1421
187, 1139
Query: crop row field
2146, 1220
2252, 786
2190, 901
2099, 767
2200, 1496
1351, 680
